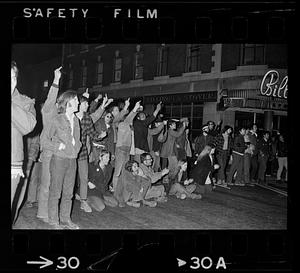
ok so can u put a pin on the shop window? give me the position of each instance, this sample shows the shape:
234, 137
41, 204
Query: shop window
99, 71
83, 74
138, 63
193, 58
162, 62
117, 67
253, 54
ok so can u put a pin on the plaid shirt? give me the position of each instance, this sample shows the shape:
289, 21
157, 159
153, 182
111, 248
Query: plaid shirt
87, 128
219, 142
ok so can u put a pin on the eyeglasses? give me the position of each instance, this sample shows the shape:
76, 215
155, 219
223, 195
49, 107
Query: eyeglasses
149, 158
109, 117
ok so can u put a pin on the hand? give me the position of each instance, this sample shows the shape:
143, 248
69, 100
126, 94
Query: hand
103, 134
113, 157
219, 122
105, 99
127, 103
216, 166
109, 101
17, 172
165, 122
62, 146
165, 171
156, 153
86, 93
98, 98
158, 106
137, 106
57, 74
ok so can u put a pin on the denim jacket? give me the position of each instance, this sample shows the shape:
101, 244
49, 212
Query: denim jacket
60, 132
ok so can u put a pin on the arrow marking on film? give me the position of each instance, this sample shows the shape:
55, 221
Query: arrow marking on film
181, 262
43, 263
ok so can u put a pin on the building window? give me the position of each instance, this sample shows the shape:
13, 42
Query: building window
138, 63
83, 74
162, 62
253, 54
193, 58
194, 112
69, 49
70, 78
99, 71
117, 67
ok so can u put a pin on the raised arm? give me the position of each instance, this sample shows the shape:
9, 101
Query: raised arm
133, 113
178, 133
123, 112
155, 131
52, 94
99, 112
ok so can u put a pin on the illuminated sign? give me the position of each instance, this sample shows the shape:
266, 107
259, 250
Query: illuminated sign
272, 86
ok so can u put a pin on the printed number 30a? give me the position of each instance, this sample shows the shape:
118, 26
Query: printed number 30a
68, 262
196, 261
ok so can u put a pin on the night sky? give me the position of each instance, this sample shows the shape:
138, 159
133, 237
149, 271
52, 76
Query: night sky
27, 54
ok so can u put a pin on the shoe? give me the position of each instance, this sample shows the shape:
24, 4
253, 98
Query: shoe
239, 184
230, 184
69, 225
133, 204
219, 182
196, 196
121, 204
162, 199
85, 206
55, 226
44, 219
151, 204
77, 197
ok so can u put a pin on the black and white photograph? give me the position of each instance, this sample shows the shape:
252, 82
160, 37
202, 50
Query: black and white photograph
149, 136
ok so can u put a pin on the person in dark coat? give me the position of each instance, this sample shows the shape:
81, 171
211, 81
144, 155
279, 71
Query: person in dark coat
203, 170
264, 151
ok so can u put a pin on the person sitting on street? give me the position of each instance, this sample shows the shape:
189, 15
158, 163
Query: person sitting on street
155, 191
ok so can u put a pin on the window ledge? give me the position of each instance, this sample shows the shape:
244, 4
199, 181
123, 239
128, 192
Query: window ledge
84, 51
251, 67
196, 73
161, 77
99, 46
70, 55
137, 80
115, 83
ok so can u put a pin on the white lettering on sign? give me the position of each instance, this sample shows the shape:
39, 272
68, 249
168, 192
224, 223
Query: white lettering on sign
270, 85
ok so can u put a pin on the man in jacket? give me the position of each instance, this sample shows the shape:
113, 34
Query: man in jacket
23, 121
264, 151
237, 165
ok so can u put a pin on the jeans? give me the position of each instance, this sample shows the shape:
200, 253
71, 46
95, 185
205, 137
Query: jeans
34, 182
99, 204
83, 170
62, 172
43, 193
122, 156
236, 166
155, 192
282, 162
247, 163
14, 185
253, 167
222, 158
262, 167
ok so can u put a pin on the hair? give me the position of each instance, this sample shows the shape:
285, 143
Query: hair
83, 99
206, 150
129, 164
210, 121
170, 122
140, 113
63, 99
241, 128
226, 127
143, 156
103, 153
266, 132
15, 67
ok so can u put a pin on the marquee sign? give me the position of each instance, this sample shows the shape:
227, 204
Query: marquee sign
271, 85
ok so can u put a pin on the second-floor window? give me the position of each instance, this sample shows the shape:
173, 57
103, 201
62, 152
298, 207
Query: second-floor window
193, 58
99, 71
138, 63
162, 62
253, 54
70, 78
84, 74
117, 67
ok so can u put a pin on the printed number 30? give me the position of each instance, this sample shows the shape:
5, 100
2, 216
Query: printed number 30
68, 263
196, 261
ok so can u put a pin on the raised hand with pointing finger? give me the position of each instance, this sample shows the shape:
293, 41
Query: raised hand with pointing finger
57, 75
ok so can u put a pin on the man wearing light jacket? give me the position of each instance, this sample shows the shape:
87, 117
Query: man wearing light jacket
23, 121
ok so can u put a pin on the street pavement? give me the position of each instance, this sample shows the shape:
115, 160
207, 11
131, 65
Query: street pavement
239, 208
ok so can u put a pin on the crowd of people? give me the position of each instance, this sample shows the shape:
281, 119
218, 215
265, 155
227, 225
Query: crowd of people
103, 154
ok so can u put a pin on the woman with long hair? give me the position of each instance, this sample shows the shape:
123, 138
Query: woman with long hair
203, 169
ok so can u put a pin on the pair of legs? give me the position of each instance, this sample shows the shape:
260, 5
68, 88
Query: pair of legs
282, 162
236, 166
83, 171
222, 158
262, 167
187, 191
62, 173
99, 203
